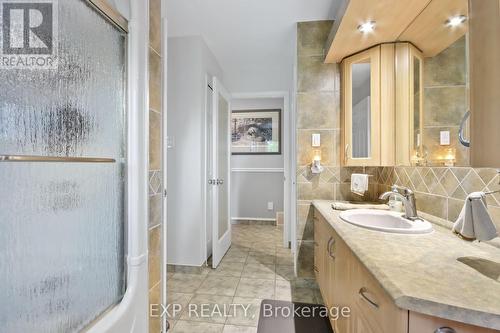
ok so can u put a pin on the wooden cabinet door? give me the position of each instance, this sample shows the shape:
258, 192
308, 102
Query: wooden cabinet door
321, 238
361, 109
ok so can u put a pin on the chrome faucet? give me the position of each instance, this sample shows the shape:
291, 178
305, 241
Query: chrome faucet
408, 198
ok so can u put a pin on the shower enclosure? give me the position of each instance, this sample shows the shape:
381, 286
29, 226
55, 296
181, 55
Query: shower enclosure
63, 176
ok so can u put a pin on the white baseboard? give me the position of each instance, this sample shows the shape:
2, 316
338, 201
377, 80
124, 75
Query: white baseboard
252, 219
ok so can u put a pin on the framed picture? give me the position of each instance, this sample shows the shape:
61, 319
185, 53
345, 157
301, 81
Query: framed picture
256, 132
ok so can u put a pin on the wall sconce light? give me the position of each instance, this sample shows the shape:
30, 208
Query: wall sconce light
316, 167
449, 157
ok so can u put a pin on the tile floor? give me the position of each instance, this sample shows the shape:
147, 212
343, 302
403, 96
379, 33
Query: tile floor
256, 267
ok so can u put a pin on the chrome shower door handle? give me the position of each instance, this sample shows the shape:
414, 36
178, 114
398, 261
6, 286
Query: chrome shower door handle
220, 181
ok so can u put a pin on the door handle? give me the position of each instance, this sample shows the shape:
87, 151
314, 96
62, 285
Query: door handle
330, 247
220, 181
362, 292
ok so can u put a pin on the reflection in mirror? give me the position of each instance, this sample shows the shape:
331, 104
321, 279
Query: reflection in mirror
361, 110
445, 104
418, 156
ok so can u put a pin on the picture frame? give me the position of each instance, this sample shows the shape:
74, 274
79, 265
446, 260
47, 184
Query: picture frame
256, 132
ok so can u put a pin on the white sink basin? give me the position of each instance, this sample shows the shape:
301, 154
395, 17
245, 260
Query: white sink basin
386, 221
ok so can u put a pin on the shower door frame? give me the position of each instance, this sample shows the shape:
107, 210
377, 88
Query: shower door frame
131, 314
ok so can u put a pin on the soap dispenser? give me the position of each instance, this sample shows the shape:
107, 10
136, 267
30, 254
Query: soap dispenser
395, 204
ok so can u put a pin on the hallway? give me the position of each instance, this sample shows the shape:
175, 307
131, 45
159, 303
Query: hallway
256, 267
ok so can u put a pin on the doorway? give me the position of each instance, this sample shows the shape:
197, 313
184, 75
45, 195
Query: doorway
261, 186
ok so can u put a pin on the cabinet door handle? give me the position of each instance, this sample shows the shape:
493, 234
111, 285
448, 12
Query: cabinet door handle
362, 293
346, 152
445, 330
315, 269
331, 243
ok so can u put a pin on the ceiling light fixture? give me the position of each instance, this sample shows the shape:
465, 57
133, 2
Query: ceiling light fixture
455, 21
367, 27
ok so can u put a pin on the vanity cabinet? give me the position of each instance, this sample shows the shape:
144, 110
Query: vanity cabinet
345, 282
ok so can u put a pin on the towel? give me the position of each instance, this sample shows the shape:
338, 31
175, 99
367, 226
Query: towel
359, 183
474, 221
348, 206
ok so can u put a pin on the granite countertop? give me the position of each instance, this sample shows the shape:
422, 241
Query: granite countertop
421, 273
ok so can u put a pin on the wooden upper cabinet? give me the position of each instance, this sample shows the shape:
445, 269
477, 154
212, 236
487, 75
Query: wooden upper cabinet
368, 107
409, 107
361, 108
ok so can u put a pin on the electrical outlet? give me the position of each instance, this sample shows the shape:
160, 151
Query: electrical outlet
316, 140
444, 138
270, 205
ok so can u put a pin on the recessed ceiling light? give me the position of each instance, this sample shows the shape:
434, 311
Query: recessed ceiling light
367, 27
455, 21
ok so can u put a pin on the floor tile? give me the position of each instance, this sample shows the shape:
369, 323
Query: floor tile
183, 326
207, 308
259, 271
247, 314
261, 257
256, 288
285, 291
217, 285
239, 329
178, 299
185, 283
225, 268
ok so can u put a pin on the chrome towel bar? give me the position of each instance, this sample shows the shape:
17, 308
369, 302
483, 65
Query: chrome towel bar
54, 159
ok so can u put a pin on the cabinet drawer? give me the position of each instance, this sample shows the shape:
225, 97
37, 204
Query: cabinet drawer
375, 305
420, 323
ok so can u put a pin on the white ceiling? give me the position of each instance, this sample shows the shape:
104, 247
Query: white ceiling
253, 40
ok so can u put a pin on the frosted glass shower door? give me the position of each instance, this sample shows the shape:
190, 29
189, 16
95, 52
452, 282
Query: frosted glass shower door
62, 180
221, 153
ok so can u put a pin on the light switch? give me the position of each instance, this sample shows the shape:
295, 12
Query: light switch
270, 205
316, 140
444, 138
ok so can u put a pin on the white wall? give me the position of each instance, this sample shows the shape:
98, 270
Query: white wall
189, 61
251, 191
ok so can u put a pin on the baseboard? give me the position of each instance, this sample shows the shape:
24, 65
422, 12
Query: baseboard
253, 220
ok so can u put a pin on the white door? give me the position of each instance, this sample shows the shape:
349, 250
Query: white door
221, 156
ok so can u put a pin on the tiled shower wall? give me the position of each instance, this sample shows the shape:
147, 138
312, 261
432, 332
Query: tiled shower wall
440, 191
155, 159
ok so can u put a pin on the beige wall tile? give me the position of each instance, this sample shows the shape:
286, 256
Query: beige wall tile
154, 81
318, 110
444, 106
321, 191
154, 256
155, 25
154, 140
432, 204
155, 298
314, 75
155, 209
312, 36
329, 147
448, 67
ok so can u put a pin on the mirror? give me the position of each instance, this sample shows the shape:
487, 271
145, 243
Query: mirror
361, 109
417, 95
439, 84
